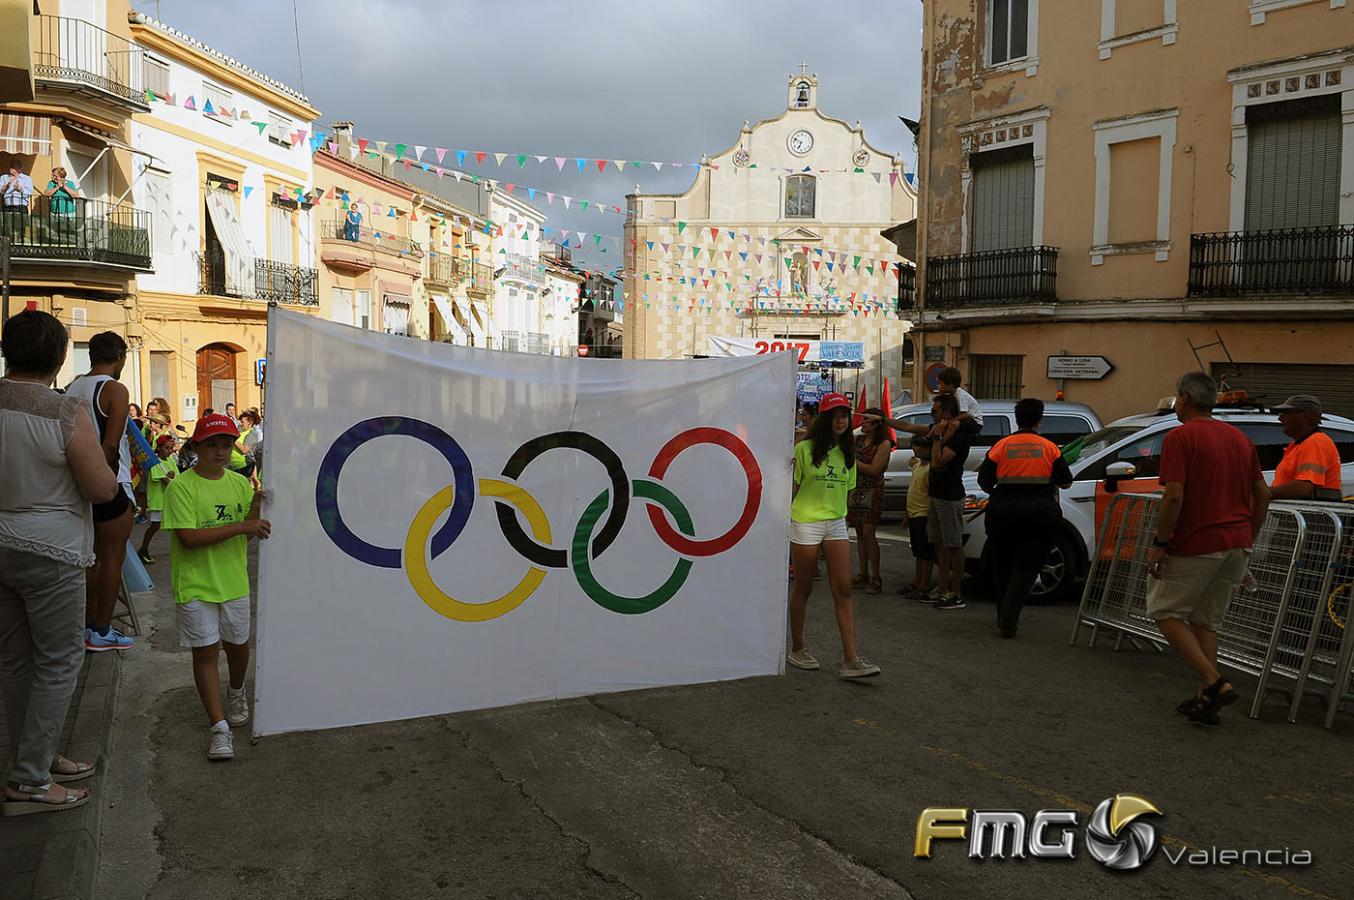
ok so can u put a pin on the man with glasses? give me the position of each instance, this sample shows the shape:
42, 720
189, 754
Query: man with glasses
1310, 469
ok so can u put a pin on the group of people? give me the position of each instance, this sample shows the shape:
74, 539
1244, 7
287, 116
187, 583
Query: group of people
66, 510
16, 198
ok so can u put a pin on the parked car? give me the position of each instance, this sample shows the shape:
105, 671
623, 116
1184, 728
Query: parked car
1063, 422
1128, 452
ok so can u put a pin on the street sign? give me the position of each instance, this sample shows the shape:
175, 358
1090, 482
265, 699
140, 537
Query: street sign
582, 349
260, 370
1084, 368
934, 354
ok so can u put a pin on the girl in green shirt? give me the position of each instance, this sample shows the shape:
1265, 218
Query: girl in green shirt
824, 474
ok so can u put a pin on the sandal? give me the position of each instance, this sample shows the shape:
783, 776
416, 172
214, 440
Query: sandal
1218, 698
66, 770
876, 586
859, 580
42, 799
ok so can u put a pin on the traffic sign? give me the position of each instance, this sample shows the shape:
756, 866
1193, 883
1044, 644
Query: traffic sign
1084, 368
582, 349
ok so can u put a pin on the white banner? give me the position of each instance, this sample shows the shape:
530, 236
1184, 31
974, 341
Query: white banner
447, 536
806, 352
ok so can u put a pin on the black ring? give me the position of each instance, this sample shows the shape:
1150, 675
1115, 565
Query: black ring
620, 496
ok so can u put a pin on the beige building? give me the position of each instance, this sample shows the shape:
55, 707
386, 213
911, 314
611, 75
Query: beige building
1164, 184
778, 237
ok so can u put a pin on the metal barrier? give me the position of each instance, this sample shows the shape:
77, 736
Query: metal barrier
1289, 626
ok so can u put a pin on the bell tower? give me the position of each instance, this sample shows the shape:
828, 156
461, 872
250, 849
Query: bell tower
803, 92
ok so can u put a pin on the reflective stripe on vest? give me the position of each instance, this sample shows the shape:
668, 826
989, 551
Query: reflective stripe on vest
1024, 458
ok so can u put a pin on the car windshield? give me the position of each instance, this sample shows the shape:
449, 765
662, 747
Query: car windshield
1089, 445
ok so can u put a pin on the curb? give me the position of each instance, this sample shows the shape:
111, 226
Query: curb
70, 858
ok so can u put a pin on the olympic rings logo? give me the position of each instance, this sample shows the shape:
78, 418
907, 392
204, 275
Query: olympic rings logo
422, 544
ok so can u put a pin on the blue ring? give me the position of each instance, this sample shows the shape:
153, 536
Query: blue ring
326, 487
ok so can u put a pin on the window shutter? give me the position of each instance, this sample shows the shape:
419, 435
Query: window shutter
1293, 168
1003, 205
279, 234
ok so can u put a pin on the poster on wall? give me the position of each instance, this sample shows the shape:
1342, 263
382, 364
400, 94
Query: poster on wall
480, 529
840, 354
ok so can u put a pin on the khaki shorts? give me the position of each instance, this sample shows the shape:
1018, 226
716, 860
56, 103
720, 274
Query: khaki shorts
202, 624
1197, 589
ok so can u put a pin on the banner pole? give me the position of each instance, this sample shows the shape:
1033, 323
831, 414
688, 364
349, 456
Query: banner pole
265, 483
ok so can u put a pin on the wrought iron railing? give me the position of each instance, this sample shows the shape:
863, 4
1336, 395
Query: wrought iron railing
279, 282
76, 52
1286, 261
907, 287
481, 278
522, 268
445, 269
79, 229
358, 234
993, 277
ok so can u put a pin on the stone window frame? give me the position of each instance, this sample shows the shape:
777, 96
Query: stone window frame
1028, 127
1159, 124
1030, 61
1260, 9
1308, 76
1111, 40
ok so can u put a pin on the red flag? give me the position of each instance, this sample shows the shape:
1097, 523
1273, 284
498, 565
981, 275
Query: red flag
860, 407
888, 412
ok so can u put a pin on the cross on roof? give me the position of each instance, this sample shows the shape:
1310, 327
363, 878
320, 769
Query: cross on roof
803, 68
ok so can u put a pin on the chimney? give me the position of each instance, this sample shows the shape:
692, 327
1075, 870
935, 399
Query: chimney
341, 133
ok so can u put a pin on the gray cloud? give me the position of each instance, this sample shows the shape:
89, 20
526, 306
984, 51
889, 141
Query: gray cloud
626, 80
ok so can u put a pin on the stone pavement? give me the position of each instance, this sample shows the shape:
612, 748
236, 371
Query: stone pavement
799, 785
55, 856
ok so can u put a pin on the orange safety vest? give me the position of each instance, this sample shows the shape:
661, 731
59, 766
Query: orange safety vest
1313, 459
1024, 458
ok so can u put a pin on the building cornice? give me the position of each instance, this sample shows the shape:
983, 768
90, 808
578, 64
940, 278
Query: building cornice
1172, 310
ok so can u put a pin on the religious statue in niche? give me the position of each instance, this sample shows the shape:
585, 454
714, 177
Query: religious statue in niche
799, 274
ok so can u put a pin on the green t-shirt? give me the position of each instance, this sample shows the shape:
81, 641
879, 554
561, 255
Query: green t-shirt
218, 572
158, 479
822, 489
237, 459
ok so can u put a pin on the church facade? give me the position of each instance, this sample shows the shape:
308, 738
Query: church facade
778, 239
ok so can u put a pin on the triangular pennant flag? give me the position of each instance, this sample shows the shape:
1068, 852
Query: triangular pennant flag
559, 163
381, 148
893, 179
531, 193
582, 163
207, 108
620, 164
362, 145
876, 177
681, 226
650, 243
441, 154
657, 167
261, 126
550, 197
479, 157
567, 200
399, 151
419, 151
248, 189
333, 148
189, 104
521, 160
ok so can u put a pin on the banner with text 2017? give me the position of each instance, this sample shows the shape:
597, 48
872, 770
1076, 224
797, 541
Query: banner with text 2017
457, 528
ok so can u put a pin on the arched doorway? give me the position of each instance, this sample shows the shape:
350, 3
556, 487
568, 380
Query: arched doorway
216, 369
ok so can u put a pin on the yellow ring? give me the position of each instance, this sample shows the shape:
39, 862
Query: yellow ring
1330, 605
416, 554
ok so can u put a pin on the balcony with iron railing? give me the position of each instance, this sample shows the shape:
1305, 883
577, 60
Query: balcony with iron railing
340, 229
445, 270
907, 288
273, 282
76, 55
523, 269
481, 278
79, 230
993, 277
1298, 261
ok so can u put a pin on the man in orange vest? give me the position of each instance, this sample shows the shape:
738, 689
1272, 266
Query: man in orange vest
1311, 463
1021, 474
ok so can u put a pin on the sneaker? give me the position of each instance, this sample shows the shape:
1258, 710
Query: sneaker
802, 659
237, 708
926, 597
858, 668
950, 601
222, 745
113, 640
145, 557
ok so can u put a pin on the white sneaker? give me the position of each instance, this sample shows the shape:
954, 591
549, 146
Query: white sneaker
237, 708
222, 746
802, 659
858, 668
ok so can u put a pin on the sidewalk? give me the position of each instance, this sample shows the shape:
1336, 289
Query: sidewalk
55, 856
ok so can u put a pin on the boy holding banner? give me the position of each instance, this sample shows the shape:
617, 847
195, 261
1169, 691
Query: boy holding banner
212, 513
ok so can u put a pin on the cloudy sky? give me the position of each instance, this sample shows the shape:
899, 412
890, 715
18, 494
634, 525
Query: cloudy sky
612, 79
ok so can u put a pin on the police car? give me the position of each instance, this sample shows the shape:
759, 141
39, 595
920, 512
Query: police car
1127, 452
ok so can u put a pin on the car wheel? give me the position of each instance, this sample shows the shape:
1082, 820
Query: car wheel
1058, 578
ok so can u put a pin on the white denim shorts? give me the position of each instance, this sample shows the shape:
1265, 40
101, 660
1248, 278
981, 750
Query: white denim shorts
814, 533
155, 515
202, 624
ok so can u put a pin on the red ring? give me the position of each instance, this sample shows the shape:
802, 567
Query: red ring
681, 543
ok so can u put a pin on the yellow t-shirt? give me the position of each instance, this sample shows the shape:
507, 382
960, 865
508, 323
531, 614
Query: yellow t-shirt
822, 489
919, 491
218, 572
157, 481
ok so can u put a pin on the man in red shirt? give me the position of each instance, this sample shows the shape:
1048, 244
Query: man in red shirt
1214, 506
1311, 464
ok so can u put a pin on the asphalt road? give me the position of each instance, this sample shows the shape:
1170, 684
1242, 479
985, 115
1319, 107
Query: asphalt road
801, 785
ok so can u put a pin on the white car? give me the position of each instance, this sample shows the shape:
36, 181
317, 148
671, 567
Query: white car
1128, 450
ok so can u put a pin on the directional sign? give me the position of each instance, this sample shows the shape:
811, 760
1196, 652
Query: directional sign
1085, 368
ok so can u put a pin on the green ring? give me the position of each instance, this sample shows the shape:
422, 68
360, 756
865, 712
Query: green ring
630, 606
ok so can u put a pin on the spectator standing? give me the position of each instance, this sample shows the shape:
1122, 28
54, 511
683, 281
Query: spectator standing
51, 468
62, 194
945, 513
865, 504
211, 514
918, 505
1310, 468
108, 403
16, 193
156, 480
1214, 504
352, 223
230, 411
254, 443
1022, 474
824, 473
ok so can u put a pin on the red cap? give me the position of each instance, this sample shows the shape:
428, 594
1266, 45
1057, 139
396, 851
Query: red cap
213, 425
164, 439
833, 401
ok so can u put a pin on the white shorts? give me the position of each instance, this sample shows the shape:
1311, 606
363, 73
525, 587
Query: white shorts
202, 624
814, 533
155, 515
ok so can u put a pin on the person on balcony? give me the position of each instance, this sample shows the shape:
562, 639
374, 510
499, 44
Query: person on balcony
62, 195
16, 191
352, 224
